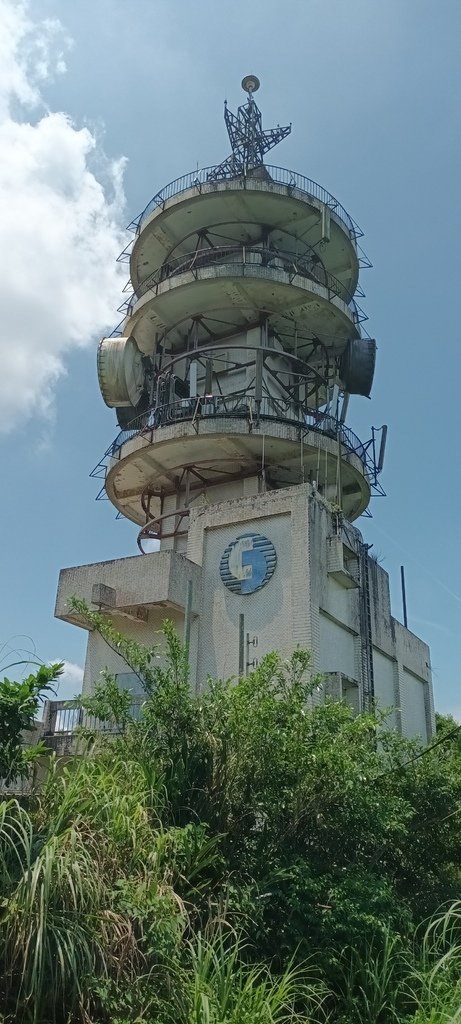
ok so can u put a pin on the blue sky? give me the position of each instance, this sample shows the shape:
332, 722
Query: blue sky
373, 92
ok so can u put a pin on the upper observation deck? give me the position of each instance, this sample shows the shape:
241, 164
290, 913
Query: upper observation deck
241, 340
286, 209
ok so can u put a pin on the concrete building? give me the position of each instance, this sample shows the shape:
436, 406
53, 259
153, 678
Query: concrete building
231, 374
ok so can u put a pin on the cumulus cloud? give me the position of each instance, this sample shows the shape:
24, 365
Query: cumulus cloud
60, 223
70, 683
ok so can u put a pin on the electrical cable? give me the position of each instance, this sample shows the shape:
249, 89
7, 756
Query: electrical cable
417, 757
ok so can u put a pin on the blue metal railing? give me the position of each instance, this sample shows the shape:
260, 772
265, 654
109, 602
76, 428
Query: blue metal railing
280, 175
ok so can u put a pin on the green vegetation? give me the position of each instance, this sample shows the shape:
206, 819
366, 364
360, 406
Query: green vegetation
19, 706
245, 856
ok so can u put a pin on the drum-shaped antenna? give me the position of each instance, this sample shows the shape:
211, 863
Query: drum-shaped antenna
357, 366
120, 372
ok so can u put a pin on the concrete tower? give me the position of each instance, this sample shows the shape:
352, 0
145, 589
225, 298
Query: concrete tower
230, 373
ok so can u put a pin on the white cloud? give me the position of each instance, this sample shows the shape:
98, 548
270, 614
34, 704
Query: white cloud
70, 683
60, 225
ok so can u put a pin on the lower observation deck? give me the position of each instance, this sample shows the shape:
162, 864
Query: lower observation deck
197, 446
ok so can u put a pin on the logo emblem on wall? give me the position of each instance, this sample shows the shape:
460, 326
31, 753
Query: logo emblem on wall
248, 563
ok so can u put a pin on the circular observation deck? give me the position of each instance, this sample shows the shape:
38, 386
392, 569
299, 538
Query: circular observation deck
277, 204
231, 287
206, 450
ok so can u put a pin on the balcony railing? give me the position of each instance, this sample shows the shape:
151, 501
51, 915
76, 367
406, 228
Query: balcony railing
64, 720
307, 265
280, 175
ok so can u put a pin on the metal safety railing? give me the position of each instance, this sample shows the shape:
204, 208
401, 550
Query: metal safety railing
240, 406
246, 407
307, 265
279, 175
63, 719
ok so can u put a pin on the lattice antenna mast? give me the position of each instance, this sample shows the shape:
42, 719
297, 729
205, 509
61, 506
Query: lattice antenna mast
248, 140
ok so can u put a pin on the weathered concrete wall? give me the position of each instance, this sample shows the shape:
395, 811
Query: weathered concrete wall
159, 578
148, 589
315, 599
278, 614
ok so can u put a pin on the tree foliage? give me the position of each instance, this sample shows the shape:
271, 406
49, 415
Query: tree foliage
19, 705
249, 854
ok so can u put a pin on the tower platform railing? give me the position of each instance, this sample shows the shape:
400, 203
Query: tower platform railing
241, 407
304, 265
279, 175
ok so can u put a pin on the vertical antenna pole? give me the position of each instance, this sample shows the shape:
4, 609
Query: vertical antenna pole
404, 597
187, 618
340, 477
241, 645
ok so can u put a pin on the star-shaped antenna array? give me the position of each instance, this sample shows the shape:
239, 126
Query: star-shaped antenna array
248, 140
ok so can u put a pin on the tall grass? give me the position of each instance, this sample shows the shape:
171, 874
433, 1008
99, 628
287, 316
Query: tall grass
224, 989
387, 982
91, 926
435, 984
57, 929
370, 982
70, 873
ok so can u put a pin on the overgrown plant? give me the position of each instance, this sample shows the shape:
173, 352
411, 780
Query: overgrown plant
249, 854
19, 706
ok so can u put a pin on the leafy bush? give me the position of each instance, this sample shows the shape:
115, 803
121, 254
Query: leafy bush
246, 854
19, 706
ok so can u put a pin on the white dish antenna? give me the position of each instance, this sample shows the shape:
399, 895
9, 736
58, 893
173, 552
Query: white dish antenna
120, 372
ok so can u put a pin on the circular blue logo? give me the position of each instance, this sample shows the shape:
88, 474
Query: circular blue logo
248, 563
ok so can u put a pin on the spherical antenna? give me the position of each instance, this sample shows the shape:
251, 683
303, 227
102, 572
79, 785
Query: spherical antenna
250, 83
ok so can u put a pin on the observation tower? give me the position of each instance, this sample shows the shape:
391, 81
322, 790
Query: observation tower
230, 377
240, 335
